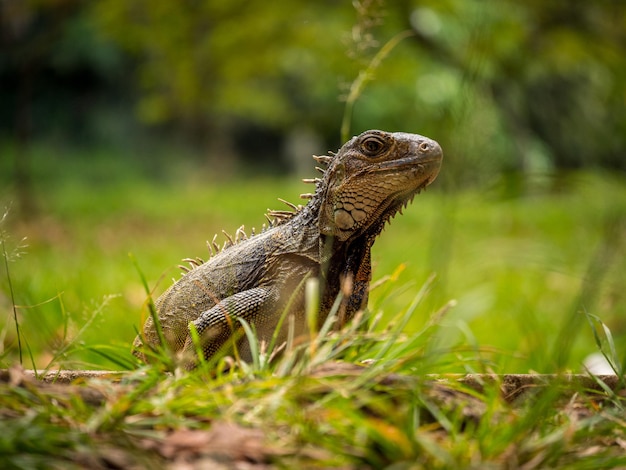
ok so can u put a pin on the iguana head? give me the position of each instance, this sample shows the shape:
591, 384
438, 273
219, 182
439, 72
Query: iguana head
373, 176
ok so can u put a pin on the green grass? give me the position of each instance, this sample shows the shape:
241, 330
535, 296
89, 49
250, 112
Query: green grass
466, 281
306, 410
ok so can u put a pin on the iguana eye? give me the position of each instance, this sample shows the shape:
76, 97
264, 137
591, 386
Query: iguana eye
372, 146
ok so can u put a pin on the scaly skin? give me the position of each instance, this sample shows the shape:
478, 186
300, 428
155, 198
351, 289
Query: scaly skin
370, 179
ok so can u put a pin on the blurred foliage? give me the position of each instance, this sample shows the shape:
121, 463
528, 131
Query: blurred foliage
206, 62
504, 86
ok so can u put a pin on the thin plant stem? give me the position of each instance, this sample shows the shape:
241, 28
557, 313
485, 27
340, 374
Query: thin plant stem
357, 86
5, 255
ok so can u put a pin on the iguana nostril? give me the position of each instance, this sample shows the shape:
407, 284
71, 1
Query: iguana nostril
424, 146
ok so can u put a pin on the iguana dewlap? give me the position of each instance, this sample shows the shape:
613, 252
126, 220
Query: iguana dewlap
372, 177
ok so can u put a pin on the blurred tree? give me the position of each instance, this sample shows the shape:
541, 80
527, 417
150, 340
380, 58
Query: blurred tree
50, 68
28, 30
505, 86
553, 71
213, 65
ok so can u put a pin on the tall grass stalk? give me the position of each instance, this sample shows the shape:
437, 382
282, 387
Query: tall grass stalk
364, 77
7, 257
149, 300
601, 261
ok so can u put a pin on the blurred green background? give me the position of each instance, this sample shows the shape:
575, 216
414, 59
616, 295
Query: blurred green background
145, 127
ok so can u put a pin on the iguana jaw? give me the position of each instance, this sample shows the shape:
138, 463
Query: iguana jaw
388, 209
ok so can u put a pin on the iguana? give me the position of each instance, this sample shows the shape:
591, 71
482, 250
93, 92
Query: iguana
370, 179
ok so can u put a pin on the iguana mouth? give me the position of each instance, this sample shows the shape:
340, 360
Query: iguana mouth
427, 163
424, 170
412, 161
406, 165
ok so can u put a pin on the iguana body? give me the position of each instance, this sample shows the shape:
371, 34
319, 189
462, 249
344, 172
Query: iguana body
371, 178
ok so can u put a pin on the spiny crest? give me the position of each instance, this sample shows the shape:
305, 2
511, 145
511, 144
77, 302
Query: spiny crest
214, 247
278, 217
274, 218
193, 264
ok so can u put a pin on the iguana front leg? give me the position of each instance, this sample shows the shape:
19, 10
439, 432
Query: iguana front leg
216, 325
